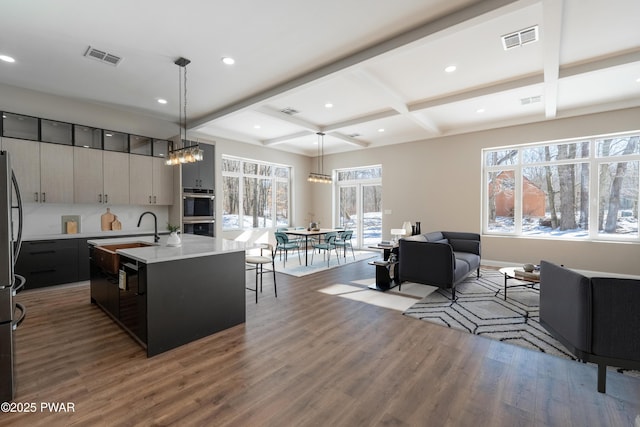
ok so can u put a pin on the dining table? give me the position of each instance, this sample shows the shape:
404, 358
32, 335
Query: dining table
306, 233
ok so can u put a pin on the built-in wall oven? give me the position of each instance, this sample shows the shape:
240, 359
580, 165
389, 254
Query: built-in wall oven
198, 211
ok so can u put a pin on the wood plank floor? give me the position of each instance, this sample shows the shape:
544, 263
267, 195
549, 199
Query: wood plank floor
303, 359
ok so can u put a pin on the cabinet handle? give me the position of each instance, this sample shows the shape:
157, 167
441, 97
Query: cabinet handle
154, 200
35, 196
44, 197
99, 198
149, 199
42, 252
106, 198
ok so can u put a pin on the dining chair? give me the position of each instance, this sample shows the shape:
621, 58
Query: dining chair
284, 244
344, 241
326, 246
257, 263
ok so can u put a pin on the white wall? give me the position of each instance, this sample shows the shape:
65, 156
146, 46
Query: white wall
438, 182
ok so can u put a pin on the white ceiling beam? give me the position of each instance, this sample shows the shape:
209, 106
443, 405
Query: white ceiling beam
296, 121
361, 119
393, 98
373, 83
474, 93
624, 58
285, 138
551, 41
349, 140
445, 23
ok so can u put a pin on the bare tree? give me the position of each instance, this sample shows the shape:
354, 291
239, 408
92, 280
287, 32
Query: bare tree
616, 186
550, 191
566, 176
584, 189
603, 180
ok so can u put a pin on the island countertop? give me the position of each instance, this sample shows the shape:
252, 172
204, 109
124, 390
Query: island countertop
193, 246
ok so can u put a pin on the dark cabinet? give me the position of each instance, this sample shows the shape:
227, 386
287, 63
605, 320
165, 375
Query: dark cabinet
48, 262
200, 174
104, 290
132, 299
124, 298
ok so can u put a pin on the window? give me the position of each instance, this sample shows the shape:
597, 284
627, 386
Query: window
255, 194
359, 203
586, 188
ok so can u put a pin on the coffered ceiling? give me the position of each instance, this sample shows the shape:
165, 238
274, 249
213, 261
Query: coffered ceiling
380, 64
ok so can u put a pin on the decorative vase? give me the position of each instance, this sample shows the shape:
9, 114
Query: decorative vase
174, 239
407, 227
418, 227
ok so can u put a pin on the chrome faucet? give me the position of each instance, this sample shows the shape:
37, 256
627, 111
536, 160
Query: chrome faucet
156, 237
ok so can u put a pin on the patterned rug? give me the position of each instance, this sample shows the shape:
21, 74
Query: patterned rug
482, 310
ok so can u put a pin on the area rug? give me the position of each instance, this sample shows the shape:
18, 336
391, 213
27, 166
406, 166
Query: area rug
394, 299
482, 310
298, 268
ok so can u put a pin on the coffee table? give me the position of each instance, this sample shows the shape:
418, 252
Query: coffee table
510, 273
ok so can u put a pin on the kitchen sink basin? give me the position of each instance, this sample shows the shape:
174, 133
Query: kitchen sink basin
106, 257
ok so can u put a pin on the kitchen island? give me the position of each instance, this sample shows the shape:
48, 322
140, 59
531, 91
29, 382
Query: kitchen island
168, 296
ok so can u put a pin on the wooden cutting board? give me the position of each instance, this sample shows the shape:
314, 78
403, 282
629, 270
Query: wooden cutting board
72, 227
116, 224
106, 219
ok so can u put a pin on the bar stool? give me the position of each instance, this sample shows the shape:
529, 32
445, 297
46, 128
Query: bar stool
258, 261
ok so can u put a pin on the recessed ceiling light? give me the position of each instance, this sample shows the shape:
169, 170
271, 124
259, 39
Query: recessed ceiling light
7, 58
227, 60
108, 134
480, 110
381, 130
256, 126
450, 68
328, 105
638, 80
162, 101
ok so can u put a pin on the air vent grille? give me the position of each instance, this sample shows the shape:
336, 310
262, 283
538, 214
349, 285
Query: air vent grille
530, 100
102, 56
520, 38
354, 135
289, 111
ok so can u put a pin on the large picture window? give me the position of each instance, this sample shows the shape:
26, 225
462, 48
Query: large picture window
255, 194
586, 188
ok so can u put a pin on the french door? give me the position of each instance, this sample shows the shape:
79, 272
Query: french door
359, 204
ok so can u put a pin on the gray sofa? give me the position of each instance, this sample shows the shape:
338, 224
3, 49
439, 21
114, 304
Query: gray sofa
597, 319
440, 258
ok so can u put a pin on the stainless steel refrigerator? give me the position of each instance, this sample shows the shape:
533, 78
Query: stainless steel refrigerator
11, 312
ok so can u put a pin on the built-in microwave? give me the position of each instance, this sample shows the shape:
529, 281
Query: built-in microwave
198, 203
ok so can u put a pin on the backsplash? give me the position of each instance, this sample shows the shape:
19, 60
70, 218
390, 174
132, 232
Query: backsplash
46, 219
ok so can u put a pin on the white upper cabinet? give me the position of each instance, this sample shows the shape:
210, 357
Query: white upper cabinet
44, 171
101, 176
151, 181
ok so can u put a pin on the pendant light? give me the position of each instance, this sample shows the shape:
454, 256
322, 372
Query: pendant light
185, 151
320, 175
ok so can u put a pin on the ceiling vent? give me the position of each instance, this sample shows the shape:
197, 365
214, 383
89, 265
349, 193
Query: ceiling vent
354, 135
289, 111
520, 38
530, 100
102, 56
